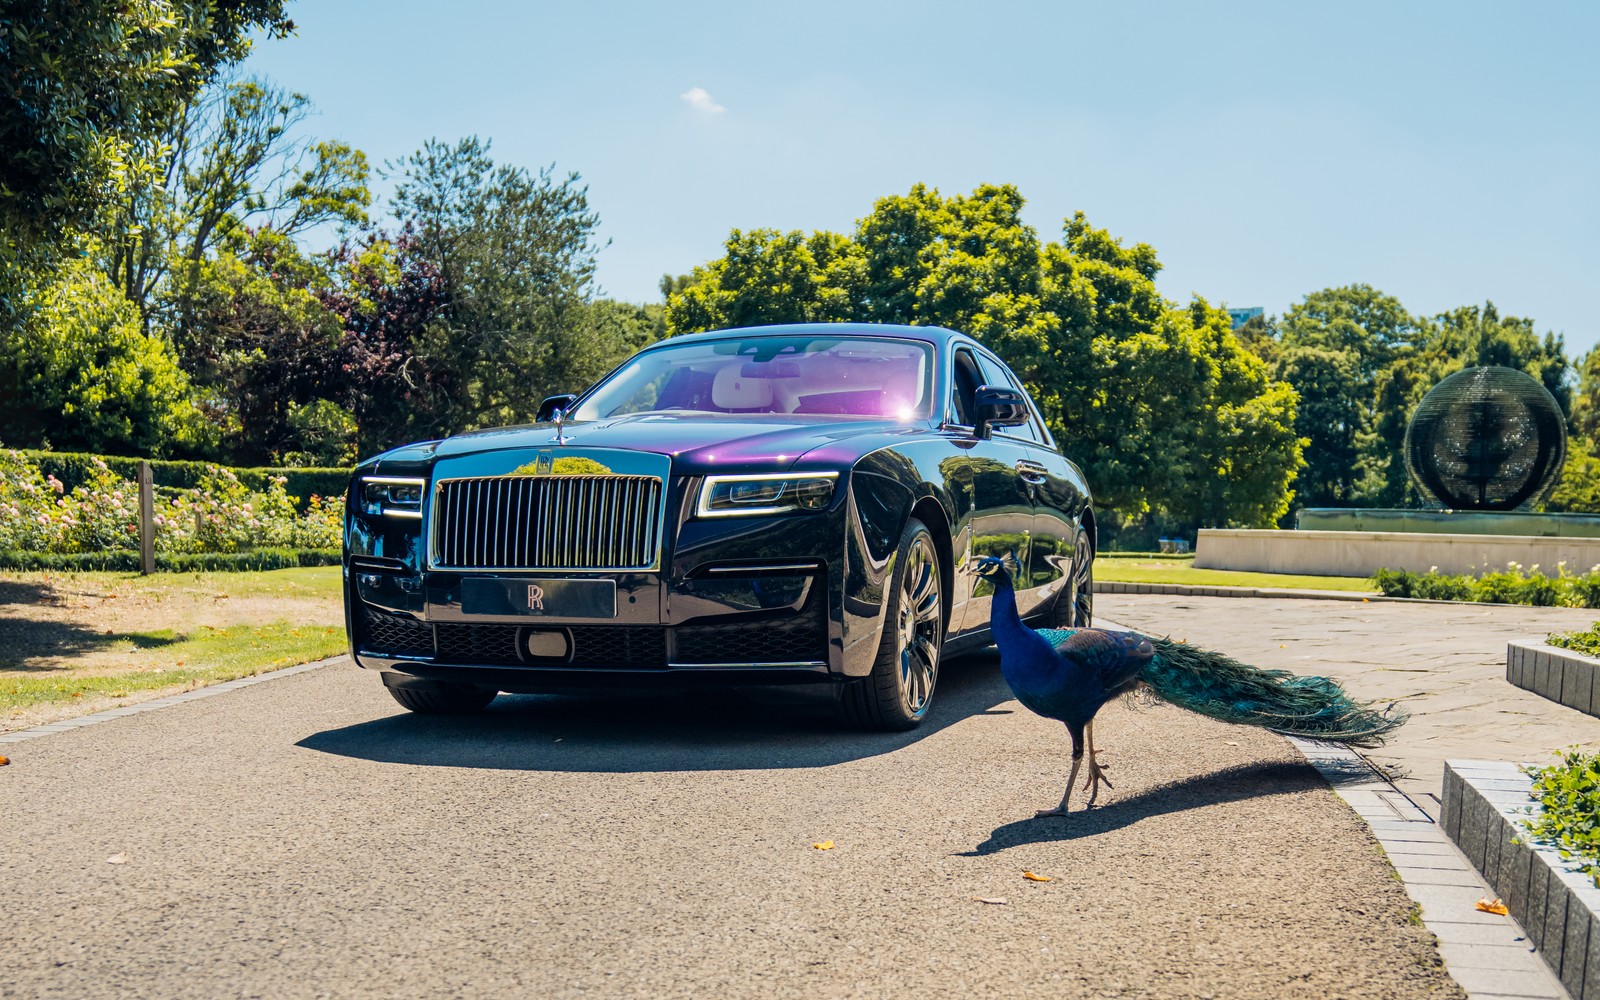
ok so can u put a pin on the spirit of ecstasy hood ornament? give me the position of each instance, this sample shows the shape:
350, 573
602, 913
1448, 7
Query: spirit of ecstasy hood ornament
560, 420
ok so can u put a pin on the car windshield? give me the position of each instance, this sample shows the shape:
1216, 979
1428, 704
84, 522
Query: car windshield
872, 377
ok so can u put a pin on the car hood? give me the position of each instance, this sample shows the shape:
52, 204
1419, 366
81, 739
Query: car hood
698, 441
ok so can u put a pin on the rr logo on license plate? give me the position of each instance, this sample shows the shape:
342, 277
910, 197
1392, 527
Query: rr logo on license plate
535, 597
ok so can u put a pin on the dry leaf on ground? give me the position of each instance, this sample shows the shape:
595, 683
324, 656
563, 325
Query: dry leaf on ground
1031, 877
992, 901
823, 845
4, 760
119, 858
1488, 905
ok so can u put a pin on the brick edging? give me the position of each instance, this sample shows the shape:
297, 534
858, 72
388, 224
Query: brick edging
1561, 675
1484, 803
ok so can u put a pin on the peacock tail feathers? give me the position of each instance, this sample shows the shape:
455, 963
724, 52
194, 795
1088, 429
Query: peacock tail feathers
1218, 686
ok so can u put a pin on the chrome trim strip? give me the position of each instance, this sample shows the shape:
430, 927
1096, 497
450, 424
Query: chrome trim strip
775, 664
809, 567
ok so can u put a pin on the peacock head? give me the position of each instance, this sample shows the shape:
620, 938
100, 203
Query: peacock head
996, 568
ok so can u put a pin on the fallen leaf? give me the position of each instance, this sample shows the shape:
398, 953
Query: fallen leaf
1226, 743
4, 760
119, 858
823, 845
996, 901
1282, 646
1488, 905
1031, 877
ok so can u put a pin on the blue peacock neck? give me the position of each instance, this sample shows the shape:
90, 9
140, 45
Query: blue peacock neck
1021, 648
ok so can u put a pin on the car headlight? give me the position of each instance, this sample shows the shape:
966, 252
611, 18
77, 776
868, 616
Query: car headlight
392, 496
744, 496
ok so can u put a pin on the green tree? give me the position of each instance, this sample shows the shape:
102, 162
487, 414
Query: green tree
79, 373
227, 162
85, 83
516, 252
1335, 347
265, 345
1155, 401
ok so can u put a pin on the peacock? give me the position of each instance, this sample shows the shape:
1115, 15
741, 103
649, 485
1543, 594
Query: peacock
1067, 674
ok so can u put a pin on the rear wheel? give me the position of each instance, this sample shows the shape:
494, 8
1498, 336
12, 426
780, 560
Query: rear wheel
444, 699
1074, 605
898, 692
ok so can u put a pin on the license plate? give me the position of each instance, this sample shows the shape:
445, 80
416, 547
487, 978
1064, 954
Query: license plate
539, 598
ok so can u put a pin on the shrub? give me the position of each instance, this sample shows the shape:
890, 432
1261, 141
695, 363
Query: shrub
75, 468
1587, 643
40, 513
1569, 798
126, 561
1508, 586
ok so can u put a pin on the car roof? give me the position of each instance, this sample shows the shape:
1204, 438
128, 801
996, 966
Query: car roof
929, 334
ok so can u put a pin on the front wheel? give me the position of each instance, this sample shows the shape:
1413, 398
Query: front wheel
896, 695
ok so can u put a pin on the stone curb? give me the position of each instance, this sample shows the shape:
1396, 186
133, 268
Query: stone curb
1488, 955
158, 703
1563, 676
1484, 803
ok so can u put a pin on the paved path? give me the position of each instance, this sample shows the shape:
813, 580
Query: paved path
304, 838
1445, 662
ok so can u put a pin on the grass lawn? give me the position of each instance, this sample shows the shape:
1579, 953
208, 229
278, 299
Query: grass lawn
73, 643
1146, 567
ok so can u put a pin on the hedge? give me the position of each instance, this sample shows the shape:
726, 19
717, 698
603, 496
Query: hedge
72, 468
125, 561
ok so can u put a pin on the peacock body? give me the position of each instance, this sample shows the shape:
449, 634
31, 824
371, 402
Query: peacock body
1069, 674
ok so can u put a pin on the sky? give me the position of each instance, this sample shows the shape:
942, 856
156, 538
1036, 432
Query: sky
1444, 153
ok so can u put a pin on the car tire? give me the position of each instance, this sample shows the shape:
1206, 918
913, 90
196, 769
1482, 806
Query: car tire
897, 694
444, 699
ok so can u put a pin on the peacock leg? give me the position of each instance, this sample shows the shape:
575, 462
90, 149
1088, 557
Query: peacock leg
1097, 773
1077, 760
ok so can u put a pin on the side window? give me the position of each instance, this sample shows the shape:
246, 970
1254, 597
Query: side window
966, 385
994, 373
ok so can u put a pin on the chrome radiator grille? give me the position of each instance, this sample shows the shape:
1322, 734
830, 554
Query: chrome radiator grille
548, 522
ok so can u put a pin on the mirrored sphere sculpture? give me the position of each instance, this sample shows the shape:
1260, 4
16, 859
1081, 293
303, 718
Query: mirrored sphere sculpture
1487, 438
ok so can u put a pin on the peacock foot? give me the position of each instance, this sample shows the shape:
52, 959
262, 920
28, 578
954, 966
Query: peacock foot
1097, 776
1057, 811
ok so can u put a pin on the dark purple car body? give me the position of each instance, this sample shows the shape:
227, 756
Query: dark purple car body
767, 505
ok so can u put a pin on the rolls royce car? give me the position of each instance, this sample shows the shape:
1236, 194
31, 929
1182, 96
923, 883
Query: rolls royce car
771, 505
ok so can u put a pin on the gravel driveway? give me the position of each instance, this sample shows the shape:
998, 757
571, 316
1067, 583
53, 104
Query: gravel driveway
305, 838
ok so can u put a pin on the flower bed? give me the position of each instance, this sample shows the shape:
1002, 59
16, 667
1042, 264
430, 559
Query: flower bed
38, 514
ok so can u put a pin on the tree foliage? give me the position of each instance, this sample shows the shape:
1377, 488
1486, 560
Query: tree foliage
1162, 405
1361, 364
85, 83
81, 374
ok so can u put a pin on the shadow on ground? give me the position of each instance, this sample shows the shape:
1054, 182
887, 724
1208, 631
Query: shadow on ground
620, 733
1233, 784
27, 637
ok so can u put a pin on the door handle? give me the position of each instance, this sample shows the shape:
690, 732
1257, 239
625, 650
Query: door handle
1032, 473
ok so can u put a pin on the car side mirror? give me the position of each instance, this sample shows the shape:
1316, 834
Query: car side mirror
998, 406
551, 404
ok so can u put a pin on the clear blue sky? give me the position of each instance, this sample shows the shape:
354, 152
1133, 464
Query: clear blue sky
1443, 152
